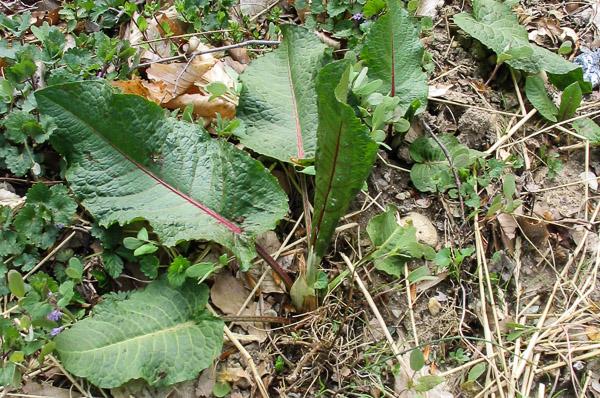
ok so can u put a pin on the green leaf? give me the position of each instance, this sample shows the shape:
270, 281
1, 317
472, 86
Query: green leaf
66, 293
419, 274
142, 234
75, 269
562, 81
345, 154
373, 7
443, 258
588, 128
149, 266
417, 360
146, 248
495, 25
278, 101
393, 53
432, 172
476, 371
113, 264
221, 389
394, 244
15, 283
200, 270
570, 101
216, 89
127, 161
161, 334
132, 243
536, 93
177, 270
426, 383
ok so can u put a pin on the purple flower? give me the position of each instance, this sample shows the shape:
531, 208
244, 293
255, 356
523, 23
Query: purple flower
358, 16
55, 315
56, 331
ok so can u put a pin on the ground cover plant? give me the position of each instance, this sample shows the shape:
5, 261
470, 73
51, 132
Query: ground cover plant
323, 198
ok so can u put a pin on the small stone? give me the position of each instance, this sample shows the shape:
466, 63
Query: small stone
434, 306
426, 232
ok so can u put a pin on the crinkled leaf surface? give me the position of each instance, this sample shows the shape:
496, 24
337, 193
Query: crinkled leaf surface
161, 334
345, 154
497, 27
278, 103
393, 53
128, 161
394, 244
431, 171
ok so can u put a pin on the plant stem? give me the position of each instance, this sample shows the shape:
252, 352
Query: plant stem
275, 266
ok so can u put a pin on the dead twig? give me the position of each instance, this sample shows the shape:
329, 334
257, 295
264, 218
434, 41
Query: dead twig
212, 50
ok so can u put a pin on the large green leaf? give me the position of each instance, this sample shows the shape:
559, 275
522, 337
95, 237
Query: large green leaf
128, 161
345, 154
161, 334
393, 53
497, 27
278, 103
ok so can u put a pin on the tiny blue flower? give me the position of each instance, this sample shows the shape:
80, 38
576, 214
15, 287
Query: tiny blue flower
56, 331
55, 315
358, 16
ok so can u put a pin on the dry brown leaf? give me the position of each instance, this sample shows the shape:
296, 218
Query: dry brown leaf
176, 78
158, 49
508, 225
431, 282
206, 383
593, 333
47, 390
234, 375
240, 54
202, 106
134, 86
216, 74
228, 293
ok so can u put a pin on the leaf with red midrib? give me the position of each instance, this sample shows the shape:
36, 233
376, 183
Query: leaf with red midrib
345, 154
278, 101
128, 161
393, 53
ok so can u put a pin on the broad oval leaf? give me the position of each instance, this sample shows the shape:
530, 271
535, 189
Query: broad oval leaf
495, 25
161, 334
278, 103
536, 93
393, 53
345, 155
128, 161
